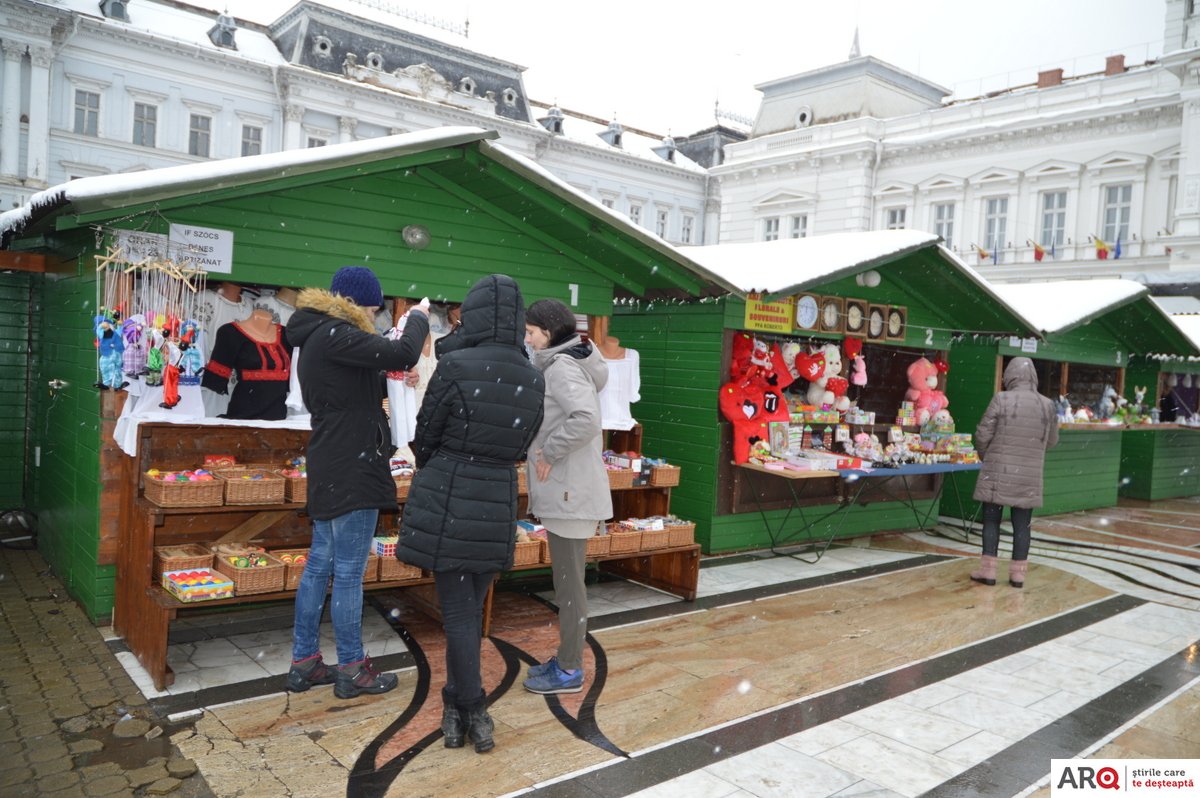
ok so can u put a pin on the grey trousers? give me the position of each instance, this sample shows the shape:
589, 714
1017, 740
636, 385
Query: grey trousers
568, 560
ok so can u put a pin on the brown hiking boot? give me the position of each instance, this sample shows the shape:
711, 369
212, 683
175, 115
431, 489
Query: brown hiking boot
361, 677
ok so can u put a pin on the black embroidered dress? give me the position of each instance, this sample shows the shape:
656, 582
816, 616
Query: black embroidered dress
263, 371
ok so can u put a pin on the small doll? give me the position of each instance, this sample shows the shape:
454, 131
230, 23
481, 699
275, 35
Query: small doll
110, 347
154, 357
191, 361
133, 332
172, 354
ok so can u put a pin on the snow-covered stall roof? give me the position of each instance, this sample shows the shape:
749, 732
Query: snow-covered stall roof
1175, 305
1057, 306
1190, 325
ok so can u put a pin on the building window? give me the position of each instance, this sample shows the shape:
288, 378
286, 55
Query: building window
771, 229
943, 222
799, 228
145, 124
1117, 200
251, 140
635, 214
200, 135
606, 202
1054, 219
895, 218
313, 141
660, 224
685, 231
995, 220
87, 112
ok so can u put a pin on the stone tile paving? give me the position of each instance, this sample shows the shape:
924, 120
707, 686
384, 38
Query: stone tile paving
72, 723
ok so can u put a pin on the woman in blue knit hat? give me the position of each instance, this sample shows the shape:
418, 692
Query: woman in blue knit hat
341, 364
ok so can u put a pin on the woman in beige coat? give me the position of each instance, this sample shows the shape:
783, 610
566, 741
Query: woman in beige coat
1017, 428
568, 486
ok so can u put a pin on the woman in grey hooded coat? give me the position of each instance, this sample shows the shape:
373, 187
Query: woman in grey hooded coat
1017, 428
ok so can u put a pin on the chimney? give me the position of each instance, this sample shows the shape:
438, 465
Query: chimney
1114, 65
1050, 77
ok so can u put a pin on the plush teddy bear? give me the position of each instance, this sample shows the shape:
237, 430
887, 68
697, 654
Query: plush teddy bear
829, 390
922, 390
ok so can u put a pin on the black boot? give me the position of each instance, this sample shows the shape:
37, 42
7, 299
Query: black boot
479, 724
453, 727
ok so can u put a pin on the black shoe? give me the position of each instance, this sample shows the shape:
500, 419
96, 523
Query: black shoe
361, 677
307, 673
453, 727
479, 726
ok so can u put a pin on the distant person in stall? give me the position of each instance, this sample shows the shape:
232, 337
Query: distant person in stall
342, 363
1017, 428
481, 409
568, 485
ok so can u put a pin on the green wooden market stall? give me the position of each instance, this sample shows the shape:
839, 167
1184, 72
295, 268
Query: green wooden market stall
1162, 461
293, 219
1097, 333
685, 349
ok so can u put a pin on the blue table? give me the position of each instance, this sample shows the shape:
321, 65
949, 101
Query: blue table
855, 482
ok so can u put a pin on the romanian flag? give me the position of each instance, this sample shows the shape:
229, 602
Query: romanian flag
983, 253
1101, 248
1039, 251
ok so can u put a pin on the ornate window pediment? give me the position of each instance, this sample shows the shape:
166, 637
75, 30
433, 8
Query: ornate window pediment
894, 188
779, 200
1054, 168
994, 175
942, 183
1118, 160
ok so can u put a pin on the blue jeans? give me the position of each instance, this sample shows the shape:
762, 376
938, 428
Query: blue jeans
339, 546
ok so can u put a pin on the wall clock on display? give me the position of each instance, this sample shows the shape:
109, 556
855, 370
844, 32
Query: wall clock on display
807, 312
897, 323
833, 311
856, 317
877, 322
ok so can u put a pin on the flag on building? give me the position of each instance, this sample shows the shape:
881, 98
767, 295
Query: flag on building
1101, 248
983, 253
1117, 250
1039, 251
1052, 253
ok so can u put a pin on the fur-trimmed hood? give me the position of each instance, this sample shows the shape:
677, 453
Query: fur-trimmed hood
322, 305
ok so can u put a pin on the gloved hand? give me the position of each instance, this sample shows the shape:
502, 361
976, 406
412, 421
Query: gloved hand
422, 307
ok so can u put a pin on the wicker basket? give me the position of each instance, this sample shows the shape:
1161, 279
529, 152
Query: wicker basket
248, 581
664, 476
681, 534
184, 557
168, 493
292, 570
522, 480
654, 538
371, 571
402, 486
597, 546
620, 478
624, 541
527, 553
393, 570
295, 489
545, 551
268, 489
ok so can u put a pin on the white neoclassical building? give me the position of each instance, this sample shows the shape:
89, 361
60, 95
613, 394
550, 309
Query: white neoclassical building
90, 88
1043, 169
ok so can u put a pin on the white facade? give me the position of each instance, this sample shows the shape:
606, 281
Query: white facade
82, 94
1095, 156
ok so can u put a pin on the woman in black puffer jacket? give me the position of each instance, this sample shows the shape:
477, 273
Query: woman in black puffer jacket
480, 413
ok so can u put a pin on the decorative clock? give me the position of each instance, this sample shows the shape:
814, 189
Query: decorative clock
807, 311
897, 322
877, 322
856, 317
833, 311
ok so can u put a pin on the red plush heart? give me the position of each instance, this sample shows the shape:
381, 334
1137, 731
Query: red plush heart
941, 365
837, 385
852, 347
810, 367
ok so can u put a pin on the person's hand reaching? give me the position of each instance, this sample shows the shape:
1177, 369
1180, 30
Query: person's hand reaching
422, 307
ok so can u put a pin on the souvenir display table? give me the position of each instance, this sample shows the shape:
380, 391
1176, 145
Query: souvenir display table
1160, 461
143, 609
855, 487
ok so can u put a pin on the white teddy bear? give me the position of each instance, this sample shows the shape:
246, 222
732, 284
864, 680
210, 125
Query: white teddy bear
819, 394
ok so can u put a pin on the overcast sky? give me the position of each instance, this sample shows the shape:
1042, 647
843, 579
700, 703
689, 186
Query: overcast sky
662, 65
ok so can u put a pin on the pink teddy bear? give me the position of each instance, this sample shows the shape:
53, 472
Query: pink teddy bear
922, 390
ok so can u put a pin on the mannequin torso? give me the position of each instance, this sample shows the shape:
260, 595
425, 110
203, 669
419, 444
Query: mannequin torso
611, 349
260, 326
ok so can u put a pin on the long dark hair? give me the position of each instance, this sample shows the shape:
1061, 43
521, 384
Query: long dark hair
552, 316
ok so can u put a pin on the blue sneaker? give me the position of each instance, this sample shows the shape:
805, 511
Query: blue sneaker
555, 680
543, 669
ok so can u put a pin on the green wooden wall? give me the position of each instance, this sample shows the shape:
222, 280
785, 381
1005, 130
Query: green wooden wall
65, 487
1160, 463
15, 305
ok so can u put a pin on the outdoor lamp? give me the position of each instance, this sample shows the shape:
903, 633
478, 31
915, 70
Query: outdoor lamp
416, 236
870, 278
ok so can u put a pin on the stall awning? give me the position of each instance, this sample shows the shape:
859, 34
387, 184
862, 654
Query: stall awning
911, 257
460, 161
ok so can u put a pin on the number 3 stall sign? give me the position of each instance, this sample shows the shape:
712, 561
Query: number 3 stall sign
203, 247
768, 316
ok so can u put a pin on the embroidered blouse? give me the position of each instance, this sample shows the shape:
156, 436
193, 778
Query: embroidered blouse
262, 370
